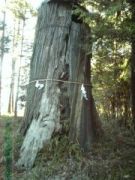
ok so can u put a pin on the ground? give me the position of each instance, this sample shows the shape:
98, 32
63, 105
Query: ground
111, 158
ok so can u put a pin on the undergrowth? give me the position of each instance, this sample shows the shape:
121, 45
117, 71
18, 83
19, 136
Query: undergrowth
8, 150
112, 158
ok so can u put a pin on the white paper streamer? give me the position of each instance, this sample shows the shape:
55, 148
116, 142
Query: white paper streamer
84, 93
39, 85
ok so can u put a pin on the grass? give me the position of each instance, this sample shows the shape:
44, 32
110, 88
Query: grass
6, 142
8, 150
113, 158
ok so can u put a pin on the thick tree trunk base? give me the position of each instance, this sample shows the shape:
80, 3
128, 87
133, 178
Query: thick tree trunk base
60, 54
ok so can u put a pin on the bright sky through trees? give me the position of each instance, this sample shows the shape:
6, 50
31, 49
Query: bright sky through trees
29, 35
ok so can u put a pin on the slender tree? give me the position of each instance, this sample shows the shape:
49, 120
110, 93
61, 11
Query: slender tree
11, 95
19, 70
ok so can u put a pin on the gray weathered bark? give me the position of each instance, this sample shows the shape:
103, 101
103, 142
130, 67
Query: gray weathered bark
59, 55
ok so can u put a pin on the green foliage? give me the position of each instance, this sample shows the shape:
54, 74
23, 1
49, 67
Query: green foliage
8, 150
111, 79
107, 19
4, 41
112, 29
21, 9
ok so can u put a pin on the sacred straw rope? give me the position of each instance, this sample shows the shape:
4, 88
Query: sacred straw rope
58, 80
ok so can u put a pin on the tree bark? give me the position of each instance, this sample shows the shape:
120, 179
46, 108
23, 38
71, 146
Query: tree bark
59, 67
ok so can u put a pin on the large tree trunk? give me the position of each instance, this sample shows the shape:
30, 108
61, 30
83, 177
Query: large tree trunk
60, 63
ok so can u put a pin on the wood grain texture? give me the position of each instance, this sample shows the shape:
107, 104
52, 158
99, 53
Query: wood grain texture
60, 52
